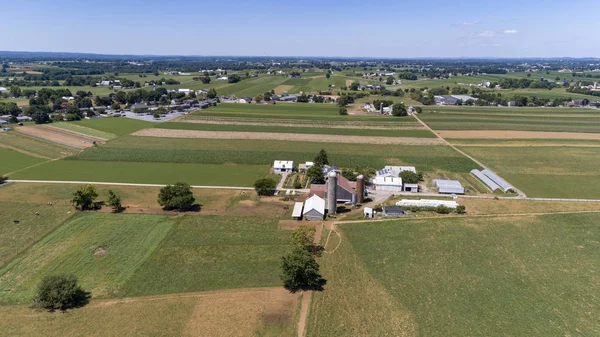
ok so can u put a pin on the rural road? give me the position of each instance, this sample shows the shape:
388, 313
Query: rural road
521, 194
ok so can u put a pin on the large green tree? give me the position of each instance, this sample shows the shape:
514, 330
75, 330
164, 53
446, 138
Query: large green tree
398, 109
84, 198
300, 271
321, 158
176, 197
316, 175
265, 186
114, 201
60, 292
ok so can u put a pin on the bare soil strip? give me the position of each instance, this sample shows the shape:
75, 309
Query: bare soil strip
349, 82
281, 88
168, 133
57, 136
292, 124
511, 134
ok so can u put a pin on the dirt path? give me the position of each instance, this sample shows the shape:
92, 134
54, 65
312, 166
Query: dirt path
521, 194
511, 134
307, 295
171, 133
224, 121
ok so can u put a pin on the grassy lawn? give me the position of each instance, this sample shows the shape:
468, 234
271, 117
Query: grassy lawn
119, 126
127, 241
35, 145
11, 160
302, 130
149, 173
213, 252
84, 130
560, 172
264, 152
505, 276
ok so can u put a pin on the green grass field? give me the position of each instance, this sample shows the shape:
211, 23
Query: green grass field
213, 252
117, 255
35, 145
292, 111
17, 237
144, 172
560, 172
302, 130
264, 152
11, 160
84, 130
128, 240
505, 276
519, 119
117, 126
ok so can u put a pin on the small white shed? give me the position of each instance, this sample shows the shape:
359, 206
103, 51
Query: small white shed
314, 208
297, 213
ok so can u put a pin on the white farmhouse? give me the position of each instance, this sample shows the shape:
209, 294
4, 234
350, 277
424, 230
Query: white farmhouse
282, 166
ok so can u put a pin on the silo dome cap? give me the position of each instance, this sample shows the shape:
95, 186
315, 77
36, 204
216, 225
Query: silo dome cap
332, 174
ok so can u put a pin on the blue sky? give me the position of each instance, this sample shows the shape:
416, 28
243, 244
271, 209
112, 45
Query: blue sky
396, 29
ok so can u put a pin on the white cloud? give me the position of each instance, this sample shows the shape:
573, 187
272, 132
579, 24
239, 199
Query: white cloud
511, 31
487, 33
467, 23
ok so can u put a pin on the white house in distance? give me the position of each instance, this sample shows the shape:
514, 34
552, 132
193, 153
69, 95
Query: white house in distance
388, 183
304, 167
314, 208
282, 166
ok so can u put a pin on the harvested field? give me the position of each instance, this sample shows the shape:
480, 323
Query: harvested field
349, 82
511, 134
58, 136
281, 88
169, 133
33, 146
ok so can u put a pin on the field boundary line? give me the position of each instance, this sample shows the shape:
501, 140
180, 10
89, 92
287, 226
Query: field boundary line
16, 149
122, 184
77, 133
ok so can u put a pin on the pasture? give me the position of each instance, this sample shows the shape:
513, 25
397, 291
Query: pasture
144, 172
263, 152
298, 130
488, 276
11, 160
256, 312
549, 171
116, 255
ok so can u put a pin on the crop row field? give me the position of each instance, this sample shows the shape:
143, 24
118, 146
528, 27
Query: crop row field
486, 276
78, 128
483, 121
116, 126
549, 171
34, 146
296, 130
144, 172
11, 160
264, 152
116, 255
294, 111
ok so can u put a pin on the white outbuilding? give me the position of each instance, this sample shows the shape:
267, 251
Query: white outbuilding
449, 186
314, 208
297, 213
388, 183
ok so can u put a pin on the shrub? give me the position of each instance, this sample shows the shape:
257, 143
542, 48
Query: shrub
441, 209
460, 209
343, 111
60, 292
265, 186
176, 197
114, 201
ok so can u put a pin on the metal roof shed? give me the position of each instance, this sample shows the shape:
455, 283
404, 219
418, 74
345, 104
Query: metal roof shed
449, 186
491, 184
314, 208
501, 182
297, 213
